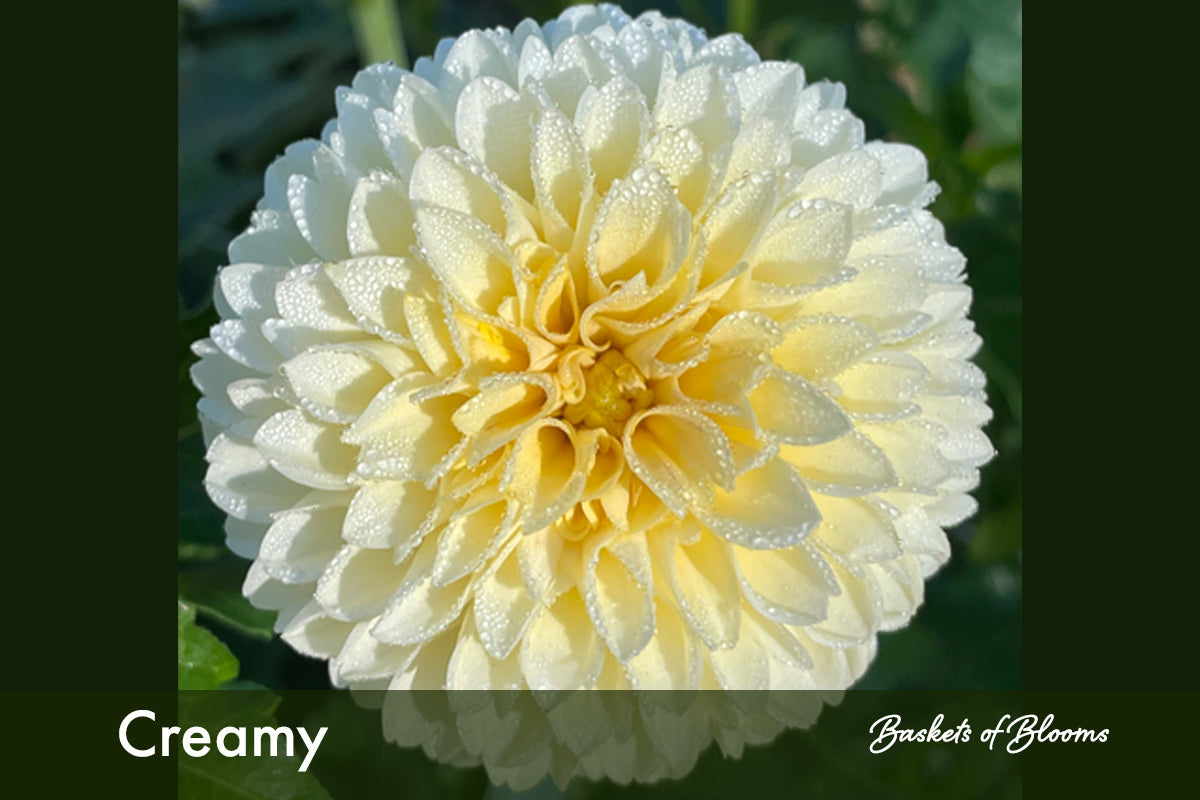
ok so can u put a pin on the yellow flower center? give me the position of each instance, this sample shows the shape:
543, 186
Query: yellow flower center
614, 390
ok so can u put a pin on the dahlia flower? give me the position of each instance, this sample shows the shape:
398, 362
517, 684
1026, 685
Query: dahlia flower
592, 354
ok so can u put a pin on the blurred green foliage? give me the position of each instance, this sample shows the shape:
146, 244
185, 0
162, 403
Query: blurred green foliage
255, 75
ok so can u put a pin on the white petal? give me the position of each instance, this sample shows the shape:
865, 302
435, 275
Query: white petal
705, 100
614, 124
373, 288
503, 608
505, 406
449, 178
901, 589
243, 484
912, 447
472, 262
560, 177
493, 122
300, 544
315, 634
546, 474
793, 410
767, 509
471, 668
469, 538
474, 55
389, 514
419, 610
860, 528
702, 577
358, 583
846, 467
244, 343
743, 666
380, 218
620, 604
803, 244
641, 227
309, 452
244, 538
768, 90
363, 657
561, 649
816, 347
404, 437
577, 65
854, 613
853, 178
247, 290
671, 660
905, 173
335, 384
320, 210
734, 222
790, 585
679, 454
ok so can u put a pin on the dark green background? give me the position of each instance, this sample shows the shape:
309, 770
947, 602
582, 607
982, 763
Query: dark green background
944, 76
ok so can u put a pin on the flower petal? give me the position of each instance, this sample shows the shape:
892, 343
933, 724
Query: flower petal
671, 659
503, 607
493, 123
619, 603
389, 514
305, 450
380, 217
679, 454
614, 124
641, 227
470, 260
300, 543
244, 484
768, 508
819, 346
506, 405
846, 467
793, 410
402, 436
469, 538
336, 384
561, 179
735, 221
546, 473
419, 610
358, 583
702, 578
561, 649
790, 585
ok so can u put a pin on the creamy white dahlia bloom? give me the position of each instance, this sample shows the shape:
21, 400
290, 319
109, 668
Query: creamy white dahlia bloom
592, 354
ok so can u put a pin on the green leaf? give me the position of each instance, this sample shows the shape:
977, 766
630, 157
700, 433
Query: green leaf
215, 777
204, 662
215, 588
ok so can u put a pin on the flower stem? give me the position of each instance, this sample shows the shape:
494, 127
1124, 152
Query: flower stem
743, 16
377, 28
